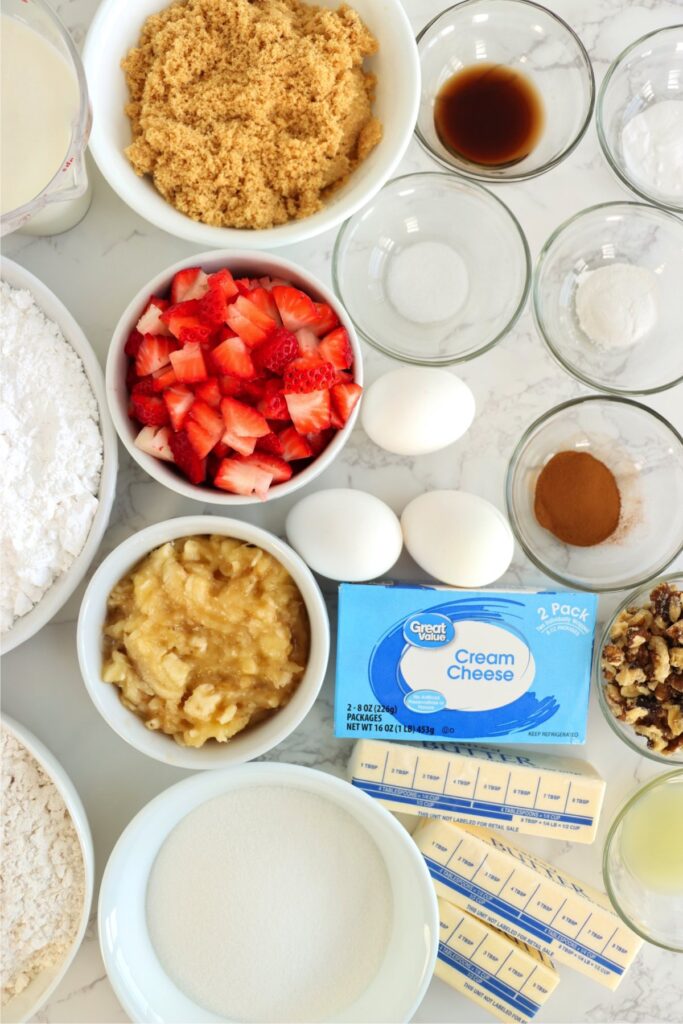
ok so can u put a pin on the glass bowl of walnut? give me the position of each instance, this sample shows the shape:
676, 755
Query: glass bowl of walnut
639, 670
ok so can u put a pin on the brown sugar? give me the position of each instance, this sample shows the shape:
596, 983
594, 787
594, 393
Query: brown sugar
577, 499
248, 113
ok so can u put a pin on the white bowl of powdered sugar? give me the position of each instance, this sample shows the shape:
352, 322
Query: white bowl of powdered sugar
58, 452
268, 892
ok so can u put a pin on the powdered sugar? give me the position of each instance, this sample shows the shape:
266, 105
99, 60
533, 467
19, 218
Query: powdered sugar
50, 451
41, 871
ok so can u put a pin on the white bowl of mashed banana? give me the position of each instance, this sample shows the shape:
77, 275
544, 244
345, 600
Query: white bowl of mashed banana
203, 641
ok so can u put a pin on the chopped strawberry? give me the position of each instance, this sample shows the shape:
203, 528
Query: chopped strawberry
327, 319
209, 391
254, 390
295, 307
266, 303
278, 468
270, 443
188, 363
186, 458
202, 334
344, 399
275, 353
204, 427
243, 285
310, 412
242, 478
213, 307
273, 405
178, 399
243, 445
320, 441
242, 419
248, 331
294, 446
154, 441
224, 280
265, 282
144, 387
163, 378
232, 357
131, 376
148, 409
154, 352
231, 387
308, 341
151, 321
336, 349
191, 283
308, 374
254, 313
133, 343
184, 314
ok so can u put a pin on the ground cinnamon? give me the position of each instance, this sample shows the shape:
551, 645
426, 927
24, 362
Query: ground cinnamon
577, 499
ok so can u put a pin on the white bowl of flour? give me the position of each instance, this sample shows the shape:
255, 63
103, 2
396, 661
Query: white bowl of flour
48, 868
59, 455
267, 892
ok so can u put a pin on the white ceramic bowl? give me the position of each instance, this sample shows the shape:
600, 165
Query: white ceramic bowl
28, 1003
251, 742
116, 29
144, 989
242, 263
64, 586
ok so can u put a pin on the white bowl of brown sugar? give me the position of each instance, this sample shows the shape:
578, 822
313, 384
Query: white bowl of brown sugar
271, 140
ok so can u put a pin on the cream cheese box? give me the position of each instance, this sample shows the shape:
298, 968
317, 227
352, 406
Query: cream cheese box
528, 898
534, 794
505, 976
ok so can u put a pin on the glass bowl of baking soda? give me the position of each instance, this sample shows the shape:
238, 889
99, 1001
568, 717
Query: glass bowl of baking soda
434, 270
640, 117
607, 297
594, 491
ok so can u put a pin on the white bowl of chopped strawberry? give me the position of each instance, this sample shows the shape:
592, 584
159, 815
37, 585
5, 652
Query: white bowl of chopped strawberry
234, 377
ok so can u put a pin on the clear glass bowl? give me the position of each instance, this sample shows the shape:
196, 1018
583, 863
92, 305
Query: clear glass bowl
646, 72
645, 454
648, 908
623, 730
434, 270
599, 237
523, 36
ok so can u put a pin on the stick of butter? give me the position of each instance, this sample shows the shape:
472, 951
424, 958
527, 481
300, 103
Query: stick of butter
503, 975
528, 898
535, 794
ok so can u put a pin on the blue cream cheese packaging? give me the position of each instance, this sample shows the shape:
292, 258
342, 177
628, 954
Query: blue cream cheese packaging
509, 666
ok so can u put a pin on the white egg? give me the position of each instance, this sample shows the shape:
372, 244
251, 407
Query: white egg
345, 534
416, 409
458, 538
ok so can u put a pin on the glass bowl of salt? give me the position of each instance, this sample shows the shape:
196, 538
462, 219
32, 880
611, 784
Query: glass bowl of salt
640, 117
607, 297
434, 270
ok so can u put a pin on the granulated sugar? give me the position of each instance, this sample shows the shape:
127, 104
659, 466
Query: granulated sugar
270, 904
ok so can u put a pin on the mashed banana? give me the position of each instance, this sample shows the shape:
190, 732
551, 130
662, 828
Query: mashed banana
205, 636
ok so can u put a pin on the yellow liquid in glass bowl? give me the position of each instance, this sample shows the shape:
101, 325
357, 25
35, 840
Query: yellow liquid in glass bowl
652, 839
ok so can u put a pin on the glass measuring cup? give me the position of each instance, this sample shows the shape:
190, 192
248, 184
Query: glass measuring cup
65, 198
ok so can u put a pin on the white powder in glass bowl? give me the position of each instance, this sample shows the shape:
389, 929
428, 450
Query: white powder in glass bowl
270, 904
50, 452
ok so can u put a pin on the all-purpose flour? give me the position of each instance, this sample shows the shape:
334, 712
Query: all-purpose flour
270, 904
50, 452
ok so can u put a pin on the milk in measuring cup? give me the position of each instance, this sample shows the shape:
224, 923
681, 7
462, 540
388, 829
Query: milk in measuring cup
39, 101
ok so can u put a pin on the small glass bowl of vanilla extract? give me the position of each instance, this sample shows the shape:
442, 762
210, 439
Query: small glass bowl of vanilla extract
507, 89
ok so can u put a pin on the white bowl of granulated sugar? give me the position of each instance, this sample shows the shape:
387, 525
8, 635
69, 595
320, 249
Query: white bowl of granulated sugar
59, 455
48, 869
267, 892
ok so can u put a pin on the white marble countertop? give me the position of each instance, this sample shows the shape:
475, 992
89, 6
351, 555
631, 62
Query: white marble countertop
95, 269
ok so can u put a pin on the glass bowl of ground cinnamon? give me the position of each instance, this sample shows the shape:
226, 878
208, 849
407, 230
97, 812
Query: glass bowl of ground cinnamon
595, 492
638, 670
